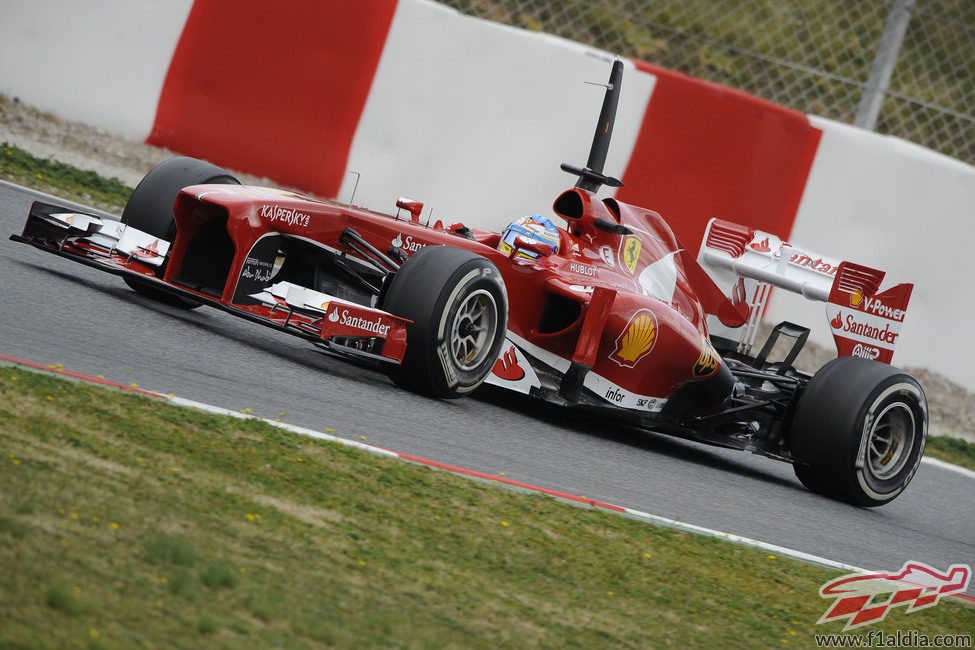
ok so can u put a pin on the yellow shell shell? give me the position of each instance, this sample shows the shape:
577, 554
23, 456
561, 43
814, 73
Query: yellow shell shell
856, 297
638, 338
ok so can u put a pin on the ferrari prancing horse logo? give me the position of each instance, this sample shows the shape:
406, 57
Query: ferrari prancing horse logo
630, 252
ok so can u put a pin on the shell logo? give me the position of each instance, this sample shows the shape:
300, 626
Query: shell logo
856, 297
637, 339
707, 362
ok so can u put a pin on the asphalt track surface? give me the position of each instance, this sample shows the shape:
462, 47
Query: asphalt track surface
57, 311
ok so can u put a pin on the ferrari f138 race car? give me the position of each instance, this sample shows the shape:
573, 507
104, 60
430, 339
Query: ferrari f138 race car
608, 313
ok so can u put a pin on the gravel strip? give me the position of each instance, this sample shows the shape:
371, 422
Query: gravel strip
45, 135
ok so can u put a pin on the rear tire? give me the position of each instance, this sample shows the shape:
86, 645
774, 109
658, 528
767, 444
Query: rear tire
859, 431
459, 308
150, 209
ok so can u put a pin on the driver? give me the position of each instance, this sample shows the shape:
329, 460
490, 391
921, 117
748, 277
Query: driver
535, 227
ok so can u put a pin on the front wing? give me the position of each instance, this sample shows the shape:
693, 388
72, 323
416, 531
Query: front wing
337, 325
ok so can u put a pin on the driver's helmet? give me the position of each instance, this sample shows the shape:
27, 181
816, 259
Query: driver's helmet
534, 227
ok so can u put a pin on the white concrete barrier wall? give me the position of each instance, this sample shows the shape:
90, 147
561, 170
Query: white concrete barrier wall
101, 62
899, 207
474, 118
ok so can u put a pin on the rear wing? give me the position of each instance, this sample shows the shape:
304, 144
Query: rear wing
746, 263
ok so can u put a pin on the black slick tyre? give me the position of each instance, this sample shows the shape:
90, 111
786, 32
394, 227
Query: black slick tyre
859, 431
150, 209
459, 308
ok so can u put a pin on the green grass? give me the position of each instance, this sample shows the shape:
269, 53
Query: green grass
952, 450
145, 524
23, 168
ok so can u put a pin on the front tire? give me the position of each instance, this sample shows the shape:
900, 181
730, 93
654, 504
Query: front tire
150, 209
459, 308
859, 431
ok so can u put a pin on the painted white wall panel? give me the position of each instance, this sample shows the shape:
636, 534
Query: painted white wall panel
474, 118
101, 62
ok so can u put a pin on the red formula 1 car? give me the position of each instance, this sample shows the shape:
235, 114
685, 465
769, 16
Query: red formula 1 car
608, 313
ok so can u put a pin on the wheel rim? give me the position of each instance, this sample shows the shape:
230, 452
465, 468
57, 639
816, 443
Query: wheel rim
891, 440
473, 330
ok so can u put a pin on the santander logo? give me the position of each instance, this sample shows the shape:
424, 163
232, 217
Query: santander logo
761, 246
408, 244
853, 326
507, 367
152, 250
377, 326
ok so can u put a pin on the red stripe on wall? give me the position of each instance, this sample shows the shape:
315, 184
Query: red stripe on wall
273, 89
705, 151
